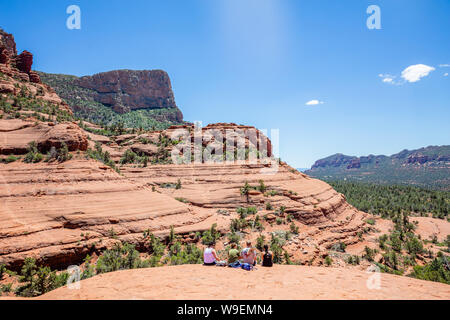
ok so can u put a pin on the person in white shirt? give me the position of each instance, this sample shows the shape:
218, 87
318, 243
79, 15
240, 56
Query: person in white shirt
210, 257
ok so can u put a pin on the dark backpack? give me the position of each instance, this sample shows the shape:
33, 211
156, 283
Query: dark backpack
267, 260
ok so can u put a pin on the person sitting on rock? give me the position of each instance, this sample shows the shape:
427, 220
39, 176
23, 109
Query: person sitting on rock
249, 254
267, 256
209, 255
233, 254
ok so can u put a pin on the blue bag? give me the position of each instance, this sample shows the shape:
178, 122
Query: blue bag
235, 264
247, 266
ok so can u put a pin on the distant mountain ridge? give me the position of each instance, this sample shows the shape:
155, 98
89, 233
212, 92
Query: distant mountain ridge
424, 167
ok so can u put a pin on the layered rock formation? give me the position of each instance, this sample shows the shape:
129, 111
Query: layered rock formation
137, 98
126, 90
58, 213
16, 134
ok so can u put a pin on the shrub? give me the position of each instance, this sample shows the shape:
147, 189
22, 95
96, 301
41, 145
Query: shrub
189, 254
382, 240
128, 157
340, 247
178, 185
172, 235
233, 237
260, 241
396, 242
277, 252
119, 257
156, 246
89, 270
211, 235
269, 206
2, 271
99, 155
33, 155
6, 288
245, 190
294, 228
9, 159
262, 187
438, 270
391, 259
369, 253
271, 193
354, 260
61, 155
36, 280
328, 261
45, 280
257, 224
238, 224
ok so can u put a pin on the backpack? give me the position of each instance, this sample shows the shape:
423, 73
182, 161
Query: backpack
235, 264
267, 260
247, 266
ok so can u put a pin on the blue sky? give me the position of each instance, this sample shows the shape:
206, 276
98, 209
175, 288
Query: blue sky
259, 62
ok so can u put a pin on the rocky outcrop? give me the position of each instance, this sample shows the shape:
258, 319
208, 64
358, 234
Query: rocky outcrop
17, 78
354, 164
18, 65
34, 77
16, 134
4, 56
24, 61
68, 133
126, 90
7, 42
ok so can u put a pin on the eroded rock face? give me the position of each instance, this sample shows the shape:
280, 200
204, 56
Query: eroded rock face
17, 66
68, 133
126, 90
7, 42
4, 55
34, 77
16, 134
57, 212
24, 61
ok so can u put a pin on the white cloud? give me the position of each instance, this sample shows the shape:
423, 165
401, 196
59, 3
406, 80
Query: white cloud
387, 78
446, 74
416, 72
314, 102
445, 65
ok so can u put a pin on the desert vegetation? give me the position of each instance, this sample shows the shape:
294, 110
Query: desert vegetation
389, 201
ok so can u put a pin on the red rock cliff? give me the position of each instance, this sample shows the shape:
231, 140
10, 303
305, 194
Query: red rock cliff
126, 90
